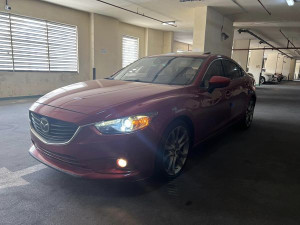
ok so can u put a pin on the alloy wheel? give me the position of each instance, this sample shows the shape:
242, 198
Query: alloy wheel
176, 150
250, 113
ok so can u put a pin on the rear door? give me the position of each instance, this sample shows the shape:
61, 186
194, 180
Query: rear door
237, 93
214, 109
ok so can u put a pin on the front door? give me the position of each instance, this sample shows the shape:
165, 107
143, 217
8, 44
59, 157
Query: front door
214, 109
237, 90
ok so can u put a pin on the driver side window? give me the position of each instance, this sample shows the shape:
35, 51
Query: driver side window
215, 69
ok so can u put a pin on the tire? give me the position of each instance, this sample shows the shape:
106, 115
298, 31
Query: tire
248, 117
262, 80
173, 150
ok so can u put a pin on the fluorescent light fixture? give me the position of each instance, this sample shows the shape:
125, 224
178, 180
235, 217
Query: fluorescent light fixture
172, 23
290, 2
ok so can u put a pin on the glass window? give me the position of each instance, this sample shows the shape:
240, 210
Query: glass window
231, 70
215, 69
29, 44
162, 70
130, 50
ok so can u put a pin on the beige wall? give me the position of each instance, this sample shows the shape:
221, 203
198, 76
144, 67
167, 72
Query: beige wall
135, 31
180, 46
241, 57
108, 43
36, 83
108, 33
154, 42
168, 42
99, 46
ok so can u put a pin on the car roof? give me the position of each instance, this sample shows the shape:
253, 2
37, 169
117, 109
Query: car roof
193, 54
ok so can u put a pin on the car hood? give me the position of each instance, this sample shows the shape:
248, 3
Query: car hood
94, 96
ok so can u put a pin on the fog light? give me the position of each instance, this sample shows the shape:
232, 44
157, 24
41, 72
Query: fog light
122, 163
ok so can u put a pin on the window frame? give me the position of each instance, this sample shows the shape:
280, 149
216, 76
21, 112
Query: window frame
241, 70
48, 51
138, 49
206, 71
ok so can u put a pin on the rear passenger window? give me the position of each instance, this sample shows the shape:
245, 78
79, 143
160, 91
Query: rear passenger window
215, 69
231, 70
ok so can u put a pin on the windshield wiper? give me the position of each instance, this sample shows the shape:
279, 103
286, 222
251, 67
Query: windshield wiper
109, 78
137, 80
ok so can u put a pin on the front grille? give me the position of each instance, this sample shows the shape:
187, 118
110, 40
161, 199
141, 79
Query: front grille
61, 157
52, 130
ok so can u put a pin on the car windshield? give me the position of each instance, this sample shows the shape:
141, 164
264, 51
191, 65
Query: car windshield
161, 70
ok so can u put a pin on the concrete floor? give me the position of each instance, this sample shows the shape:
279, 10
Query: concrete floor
250, 177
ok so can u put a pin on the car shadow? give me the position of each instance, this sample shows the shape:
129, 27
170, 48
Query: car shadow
128, 188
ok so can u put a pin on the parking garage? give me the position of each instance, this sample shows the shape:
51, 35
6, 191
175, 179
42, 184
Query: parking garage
249, 176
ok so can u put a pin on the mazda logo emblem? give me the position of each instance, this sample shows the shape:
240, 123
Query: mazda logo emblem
45, 126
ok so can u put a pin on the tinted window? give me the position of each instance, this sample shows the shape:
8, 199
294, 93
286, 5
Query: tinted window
215, 69
162, 70
231, 70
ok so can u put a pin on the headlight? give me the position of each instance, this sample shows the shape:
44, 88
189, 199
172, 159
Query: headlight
124, 125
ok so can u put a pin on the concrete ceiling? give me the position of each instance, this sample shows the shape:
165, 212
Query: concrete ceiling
245, 14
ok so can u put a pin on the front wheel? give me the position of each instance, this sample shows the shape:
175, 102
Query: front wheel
262, 80
248, 118
174, 149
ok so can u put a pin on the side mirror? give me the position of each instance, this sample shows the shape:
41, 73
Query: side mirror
218, 82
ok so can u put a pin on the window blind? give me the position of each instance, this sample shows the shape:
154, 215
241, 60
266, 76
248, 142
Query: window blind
130, 50
28, 44
62, 47
6, 61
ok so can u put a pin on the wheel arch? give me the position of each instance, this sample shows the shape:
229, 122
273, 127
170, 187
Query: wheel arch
186, 119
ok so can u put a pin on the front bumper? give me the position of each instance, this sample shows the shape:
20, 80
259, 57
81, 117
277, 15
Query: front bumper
93, 155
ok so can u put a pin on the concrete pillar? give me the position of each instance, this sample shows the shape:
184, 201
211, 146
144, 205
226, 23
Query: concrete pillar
297, 70
208, 27
286, 67
279, 66
168, 42
199, 29
241, 57
256, 63
271, 63
292, 69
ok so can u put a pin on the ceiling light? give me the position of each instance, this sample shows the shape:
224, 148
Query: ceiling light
168, 23
290, 2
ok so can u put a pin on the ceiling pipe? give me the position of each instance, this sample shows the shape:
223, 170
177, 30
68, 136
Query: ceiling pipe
239, 5
264, 7
288, 41
262, 40
137, 13
243, 49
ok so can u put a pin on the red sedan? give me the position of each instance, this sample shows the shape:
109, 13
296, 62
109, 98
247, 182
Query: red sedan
144, 119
